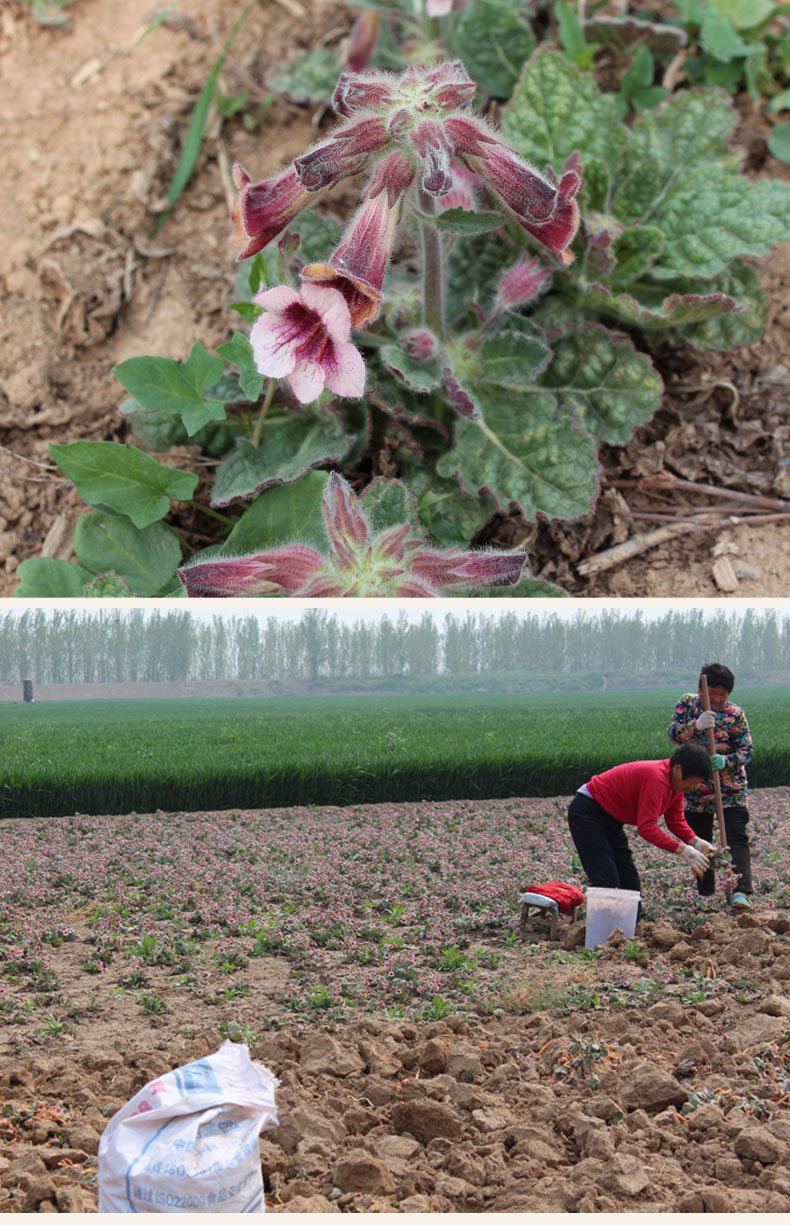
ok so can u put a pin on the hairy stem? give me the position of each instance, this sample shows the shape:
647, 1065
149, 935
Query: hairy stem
256, 433
432, 269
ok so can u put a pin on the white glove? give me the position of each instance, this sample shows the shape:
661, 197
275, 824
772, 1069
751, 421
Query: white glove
694, 858
707, 848
706, 719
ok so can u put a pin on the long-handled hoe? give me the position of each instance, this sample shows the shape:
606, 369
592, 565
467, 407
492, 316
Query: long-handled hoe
705, 698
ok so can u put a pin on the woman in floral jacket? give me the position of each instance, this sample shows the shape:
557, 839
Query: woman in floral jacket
733, 742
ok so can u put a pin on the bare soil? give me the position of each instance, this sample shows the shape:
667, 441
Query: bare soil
552, 1102
90, 131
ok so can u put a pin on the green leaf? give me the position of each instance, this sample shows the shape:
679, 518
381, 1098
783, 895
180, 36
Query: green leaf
781, 102
288, 449
743, 14
310, 78
387, 503
178, 388
108, 586
51, 578
145, 558
569, 29
494, 42
690, 131
609, 385
720, 39
630, 31
710, 216
595, 187
282, 513
462, 221
475, 268
320, 235
238, 351
655, 308
159, 432
420, 376
450, 516
526, 589
779, 142
729, 331
121, 479
639, 74
634, 250
557, 109
521, 447
248, 311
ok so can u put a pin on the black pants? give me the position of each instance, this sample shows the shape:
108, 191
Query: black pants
735, 821
602, 845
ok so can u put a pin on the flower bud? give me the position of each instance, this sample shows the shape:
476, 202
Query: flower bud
362, 40
262, 210
522, 283
371, 90
344, 153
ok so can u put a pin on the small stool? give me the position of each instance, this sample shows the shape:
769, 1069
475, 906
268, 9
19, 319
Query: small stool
548, 913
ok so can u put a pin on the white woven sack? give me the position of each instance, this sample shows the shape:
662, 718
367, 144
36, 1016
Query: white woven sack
188, 1142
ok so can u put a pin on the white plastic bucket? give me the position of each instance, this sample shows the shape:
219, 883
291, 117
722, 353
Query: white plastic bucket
608, 909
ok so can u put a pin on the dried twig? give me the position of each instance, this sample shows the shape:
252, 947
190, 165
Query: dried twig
714, 491
632, 547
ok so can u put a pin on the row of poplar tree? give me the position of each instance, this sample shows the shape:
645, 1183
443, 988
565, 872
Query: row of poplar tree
75, 646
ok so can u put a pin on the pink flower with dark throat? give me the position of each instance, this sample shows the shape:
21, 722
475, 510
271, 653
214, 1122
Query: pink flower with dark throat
393, 562
262, 210
305, 338
356, 268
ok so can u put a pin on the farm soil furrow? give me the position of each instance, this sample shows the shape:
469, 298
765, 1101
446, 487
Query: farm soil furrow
653, 1076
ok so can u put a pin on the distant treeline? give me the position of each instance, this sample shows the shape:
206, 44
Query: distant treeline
78, 647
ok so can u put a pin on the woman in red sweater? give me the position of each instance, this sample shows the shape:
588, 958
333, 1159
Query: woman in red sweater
638, 793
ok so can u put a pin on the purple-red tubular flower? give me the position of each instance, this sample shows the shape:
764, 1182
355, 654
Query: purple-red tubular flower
434, 154
356, 268
305, 338
273, 572
365, 91
393, 562
345, 152
262, 210
547, 212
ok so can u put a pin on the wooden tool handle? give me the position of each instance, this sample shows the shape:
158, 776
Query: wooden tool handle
705, 698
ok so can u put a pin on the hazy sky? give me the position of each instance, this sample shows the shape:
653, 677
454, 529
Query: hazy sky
371, 610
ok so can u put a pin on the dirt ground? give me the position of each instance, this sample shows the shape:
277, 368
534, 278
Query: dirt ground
90, 130
651, 1076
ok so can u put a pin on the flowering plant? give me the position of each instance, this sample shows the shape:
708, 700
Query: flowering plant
468, 330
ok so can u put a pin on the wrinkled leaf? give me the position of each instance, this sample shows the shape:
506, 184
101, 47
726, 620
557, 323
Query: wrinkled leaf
289, 448
108, 586
711, 217
281, 514
494, 41
386, 503
450, 516
728, 331
146, 559
462, 221
557, 109
634, 31
609, 385
419, 376
123, 480
655, 308
635, 250
176, 388
310, 78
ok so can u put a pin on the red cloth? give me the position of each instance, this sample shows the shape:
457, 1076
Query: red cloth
638, 793
566, 896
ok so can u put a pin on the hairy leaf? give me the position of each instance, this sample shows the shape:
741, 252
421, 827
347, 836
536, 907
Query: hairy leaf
635, 250
557, 109
123, 480
386, 503
145, 558
419, 376
108, 586
494, 41
609, 385
288, 449
729, 330
176, 388
311, 77
654, 308
462, 221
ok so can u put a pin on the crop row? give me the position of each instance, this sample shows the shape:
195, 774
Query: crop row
193, 755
